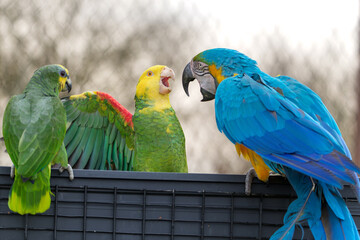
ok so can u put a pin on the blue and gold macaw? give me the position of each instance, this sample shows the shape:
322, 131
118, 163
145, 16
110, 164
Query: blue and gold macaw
283, 126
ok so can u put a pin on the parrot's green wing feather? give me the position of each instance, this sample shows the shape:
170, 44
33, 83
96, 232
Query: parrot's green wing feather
32, 130
10, 132
99, 132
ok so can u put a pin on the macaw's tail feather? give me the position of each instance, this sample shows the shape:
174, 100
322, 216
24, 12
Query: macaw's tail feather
306, 206
325, 210
356, 186
334, 168
336, 217
31, 196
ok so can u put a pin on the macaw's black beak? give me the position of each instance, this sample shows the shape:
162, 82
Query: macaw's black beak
207, 96
187, 77
68, 85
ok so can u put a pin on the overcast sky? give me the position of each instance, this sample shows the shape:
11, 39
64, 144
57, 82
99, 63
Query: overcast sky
304, 21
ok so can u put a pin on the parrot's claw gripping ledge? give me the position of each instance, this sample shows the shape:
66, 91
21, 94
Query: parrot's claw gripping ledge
69, 169
250, 175
12, 171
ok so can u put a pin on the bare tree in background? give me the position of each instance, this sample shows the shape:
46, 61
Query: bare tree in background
89, 45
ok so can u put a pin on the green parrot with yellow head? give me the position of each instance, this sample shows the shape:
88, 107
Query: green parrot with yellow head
104, 135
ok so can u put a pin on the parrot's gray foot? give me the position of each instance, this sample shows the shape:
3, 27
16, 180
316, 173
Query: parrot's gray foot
250, 175
2, 140
69, 169
12, 171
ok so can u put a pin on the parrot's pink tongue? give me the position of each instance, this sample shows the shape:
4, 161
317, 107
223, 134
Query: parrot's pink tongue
165, 81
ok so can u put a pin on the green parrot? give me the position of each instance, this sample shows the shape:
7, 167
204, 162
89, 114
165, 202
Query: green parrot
102, 134
34, 128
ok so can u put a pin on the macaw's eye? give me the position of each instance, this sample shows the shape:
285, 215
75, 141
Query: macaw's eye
62, 73
149, 73
198, 65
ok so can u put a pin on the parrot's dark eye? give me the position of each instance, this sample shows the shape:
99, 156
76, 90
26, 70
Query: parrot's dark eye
149, 73
197, 65
200, 68
62, 73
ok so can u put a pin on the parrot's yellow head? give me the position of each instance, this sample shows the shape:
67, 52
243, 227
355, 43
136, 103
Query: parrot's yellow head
155, 84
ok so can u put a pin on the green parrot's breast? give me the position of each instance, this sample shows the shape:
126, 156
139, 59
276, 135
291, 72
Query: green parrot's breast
159, 141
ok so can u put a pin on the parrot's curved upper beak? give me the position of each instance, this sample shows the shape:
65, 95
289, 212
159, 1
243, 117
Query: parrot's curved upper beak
187, 77
204, 81
68, 85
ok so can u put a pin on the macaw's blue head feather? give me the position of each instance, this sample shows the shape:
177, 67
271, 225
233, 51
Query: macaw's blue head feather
231, 62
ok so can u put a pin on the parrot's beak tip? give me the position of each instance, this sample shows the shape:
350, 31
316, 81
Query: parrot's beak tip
187, 77
68, 85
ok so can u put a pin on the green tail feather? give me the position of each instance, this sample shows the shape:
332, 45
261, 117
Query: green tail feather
31, 196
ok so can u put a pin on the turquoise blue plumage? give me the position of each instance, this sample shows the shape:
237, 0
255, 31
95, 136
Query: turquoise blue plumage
289, 127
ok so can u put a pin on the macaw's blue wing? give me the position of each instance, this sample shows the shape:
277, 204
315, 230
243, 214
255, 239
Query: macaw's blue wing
252, 113
311, 103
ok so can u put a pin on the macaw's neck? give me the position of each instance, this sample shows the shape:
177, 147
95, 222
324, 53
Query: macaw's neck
39, 85
158, 103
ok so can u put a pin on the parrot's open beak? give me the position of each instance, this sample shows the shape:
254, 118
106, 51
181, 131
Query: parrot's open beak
167, 77
68, 85
187, 77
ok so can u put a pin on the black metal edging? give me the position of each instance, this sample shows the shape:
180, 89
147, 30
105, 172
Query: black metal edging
56, 211
114, 213
172, 214
85, 211
143, 216
100, 205
202, 214
189, 181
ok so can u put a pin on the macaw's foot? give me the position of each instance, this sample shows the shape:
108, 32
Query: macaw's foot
69, 169
12, 171
250, 175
